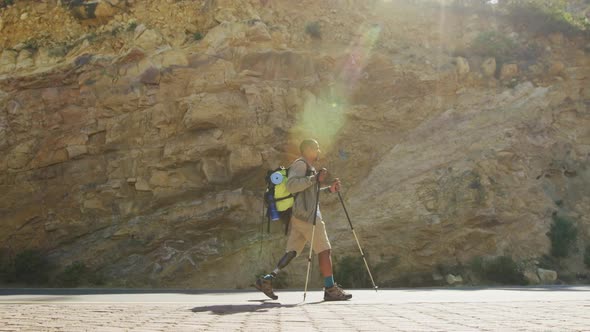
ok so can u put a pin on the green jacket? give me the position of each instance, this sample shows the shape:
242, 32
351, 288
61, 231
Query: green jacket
303, 185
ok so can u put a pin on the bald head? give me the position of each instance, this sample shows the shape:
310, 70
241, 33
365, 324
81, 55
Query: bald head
310, 149
308, 144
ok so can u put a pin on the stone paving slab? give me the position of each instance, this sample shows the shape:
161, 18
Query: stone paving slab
495, 309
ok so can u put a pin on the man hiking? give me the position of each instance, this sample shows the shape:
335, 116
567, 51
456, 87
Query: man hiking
302, 180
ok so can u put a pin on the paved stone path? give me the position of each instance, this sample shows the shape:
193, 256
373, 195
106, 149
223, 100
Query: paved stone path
446, 309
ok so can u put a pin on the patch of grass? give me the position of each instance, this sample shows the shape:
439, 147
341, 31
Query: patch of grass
501, 269
92, 37
31, 44
350, 272
419, 279
313, 29
114, 32
198, 36
132, 26
563, 235
587, 256
73, 275
58, 51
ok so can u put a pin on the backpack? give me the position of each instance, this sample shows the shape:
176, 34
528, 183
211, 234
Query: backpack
278, 200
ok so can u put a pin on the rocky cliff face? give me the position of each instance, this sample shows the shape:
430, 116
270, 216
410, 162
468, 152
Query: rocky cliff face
134, 136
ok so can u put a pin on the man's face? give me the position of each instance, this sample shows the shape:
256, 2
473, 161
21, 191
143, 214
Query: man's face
313, 152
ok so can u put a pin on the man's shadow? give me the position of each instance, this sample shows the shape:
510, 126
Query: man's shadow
264, 306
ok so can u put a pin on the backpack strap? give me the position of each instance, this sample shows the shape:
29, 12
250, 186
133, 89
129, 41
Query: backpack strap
308, 166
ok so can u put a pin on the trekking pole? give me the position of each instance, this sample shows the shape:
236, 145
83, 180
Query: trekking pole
315, 214
261, 228
357, 241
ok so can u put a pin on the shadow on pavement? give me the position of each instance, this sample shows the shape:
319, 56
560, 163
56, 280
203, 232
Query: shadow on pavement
228, 309
113, 291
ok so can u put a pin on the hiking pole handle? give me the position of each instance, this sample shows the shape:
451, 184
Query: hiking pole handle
357, 241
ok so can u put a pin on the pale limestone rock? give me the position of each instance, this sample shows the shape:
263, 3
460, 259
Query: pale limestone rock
462, 66
142, 185
76, 151
252, 73
51, 226
106, 9
141, 28
557, 68
24, 59
225, 15
215, 170
206, 111
488, 67
452, 279
22, 154
8, 60
172, 57
547, 276
149, 39
192, 148
258, 32
94, 203
43, 59
215, 76
532, 277
243, 158
508, 71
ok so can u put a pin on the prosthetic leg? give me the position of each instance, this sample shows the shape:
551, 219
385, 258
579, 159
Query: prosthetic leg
264, 284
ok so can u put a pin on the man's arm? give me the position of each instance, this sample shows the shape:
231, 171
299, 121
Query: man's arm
297, 181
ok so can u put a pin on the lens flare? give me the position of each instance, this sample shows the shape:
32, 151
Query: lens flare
323, 115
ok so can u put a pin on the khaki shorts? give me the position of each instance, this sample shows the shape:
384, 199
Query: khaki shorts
300, 234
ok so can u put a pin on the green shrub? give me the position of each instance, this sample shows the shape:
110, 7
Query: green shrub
563, 235
549, 262
6, 271
494, 44
476, 265
31, 44
350, 272
198, 36
73, 275
31, 267
4, 3
502, 270
587, 256
132, 26
313, 29
545, 16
